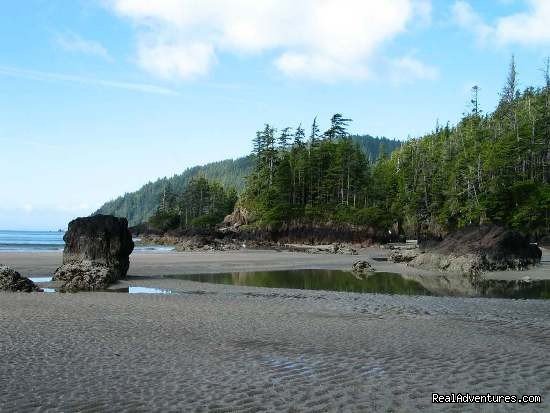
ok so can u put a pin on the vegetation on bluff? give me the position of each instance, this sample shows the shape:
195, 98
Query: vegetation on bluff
201, 205
140, 205
488, 168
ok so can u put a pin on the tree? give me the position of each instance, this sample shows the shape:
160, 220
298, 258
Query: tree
284, 138
299, 136
338, 127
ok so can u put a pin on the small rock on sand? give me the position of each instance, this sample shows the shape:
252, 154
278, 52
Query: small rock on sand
11, 280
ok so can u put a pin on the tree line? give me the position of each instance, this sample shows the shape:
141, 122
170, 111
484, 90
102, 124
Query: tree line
488, 168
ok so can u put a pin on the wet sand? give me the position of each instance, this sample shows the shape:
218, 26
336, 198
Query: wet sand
227, 348
172, 263
219, 348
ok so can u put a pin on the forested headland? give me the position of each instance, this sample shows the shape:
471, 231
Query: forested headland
488, 168
139, 206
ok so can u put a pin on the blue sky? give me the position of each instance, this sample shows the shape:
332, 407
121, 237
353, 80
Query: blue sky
98, 97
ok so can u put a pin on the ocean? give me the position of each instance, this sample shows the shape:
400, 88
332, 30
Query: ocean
31, 241
44, 241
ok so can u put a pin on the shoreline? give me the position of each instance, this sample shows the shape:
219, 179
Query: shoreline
158, 263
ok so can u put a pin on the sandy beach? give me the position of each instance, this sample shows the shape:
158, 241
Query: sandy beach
171, 263
220, 348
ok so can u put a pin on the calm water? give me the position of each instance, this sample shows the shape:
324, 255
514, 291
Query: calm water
23, 241
379, 282
329, 280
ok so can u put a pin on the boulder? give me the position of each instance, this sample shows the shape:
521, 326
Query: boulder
97, 252
11, 280
474, 250
237, 218
102, 239
362, 268
403, 255
85, 275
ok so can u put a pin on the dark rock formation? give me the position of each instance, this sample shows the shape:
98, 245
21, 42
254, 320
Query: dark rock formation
96, 253
85, 275
477, 249
11, 280
362, 268
403, 255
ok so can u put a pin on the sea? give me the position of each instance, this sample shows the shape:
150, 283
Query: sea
45, 241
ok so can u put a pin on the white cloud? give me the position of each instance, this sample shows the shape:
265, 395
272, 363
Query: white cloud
61, 77
466, 17
408, 69
320, 39
72, 42
529, 28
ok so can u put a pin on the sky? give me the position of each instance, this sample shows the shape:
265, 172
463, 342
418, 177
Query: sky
98, 97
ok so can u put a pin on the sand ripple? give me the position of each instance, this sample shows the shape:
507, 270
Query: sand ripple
242, 349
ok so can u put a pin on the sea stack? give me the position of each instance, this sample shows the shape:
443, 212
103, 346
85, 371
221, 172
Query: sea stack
97, 253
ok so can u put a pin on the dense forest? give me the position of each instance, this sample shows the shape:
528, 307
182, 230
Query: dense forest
201, 205
140, 205
488, 168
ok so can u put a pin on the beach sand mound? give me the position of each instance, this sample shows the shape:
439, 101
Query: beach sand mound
11, 280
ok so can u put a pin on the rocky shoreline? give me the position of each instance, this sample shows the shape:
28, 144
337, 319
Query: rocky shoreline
472, 251
211, 243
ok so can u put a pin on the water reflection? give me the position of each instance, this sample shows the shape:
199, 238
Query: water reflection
380, 282
332, 280
384, 283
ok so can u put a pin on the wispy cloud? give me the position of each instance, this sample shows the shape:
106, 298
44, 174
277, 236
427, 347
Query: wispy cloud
529, 28
72, 42
90, 81
407, 69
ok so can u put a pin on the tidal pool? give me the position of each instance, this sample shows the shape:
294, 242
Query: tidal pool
333, 280
380, 282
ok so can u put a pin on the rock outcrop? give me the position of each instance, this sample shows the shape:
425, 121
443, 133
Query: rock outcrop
474, 250
237, 218
403, 255
11, 280
85, 275
362, 268
97, 253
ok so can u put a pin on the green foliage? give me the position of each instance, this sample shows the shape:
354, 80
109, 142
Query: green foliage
322, 180
201, 205
140, 205
487, 168
491, 168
